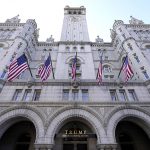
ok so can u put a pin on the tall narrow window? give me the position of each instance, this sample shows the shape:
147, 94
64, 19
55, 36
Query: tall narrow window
3, 74
65, 95
75, 94
132, 95
122, 95
113, 95
36, 95
145, 74
78, 68
27, 95
17, 95
85, 95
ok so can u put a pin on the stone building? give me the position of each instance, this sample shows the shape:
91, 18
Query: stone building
61, 114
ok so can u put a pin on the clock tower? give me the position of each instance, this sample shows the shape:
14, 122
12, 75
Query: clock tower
74, 24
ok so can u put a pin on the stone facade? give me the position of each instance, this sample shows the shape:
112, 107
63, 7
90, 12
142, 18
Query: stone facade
61, 100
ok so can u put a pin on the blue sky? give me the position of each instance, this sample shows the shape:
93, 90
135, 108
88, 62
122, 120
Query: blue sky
100, 14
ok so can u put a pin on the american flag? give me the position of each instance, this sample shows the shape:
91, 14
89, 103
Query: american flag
99, 73
17, 67
127, 70
74, 67
45, 70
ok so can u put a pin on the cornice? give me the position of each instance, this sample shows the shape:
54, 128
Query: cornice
48, 44
73, 103
12, 24
68, 82
107, 44
137, 26
75, 42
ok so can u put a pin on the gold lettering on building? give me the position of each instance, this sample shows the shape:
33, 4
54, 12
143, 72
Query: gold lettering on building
75, 132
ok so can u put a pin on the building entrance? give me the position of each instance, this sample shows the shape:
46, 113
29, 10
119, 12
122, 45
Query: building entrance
75, 143
130, 136
20, 136
75, 135
74, 146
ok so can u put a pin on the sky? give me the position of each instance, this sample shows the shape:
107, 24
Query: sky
100, 14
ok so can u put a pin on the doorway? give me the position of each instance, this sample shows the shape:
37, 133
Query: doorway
75, 135
130, 136
75, 146
19, 136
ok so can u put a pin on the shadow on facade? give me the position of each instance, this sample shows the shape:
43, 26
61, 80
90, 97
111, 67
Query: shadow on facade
131, 136
19, 135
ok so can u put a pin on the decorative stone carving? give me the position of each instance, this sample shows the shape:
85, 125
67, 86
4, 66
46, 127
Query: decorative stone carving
37, 32
99, 40
112, 33
135, 21
76, 83
50, 39
13, 20
117, 23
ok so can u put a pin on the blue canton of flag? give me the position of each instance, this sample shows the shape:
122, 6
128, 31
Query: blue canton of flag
127, 70
17, 67
45, 70
74, 67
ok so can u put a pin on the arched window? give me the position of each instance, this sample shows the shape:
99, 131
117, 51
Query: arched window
78, 68
82, 48
67, 48
107, 68
75, 48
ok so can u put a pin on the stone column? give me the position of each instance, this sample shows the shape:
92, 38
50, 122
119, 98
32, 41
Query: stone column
107, 147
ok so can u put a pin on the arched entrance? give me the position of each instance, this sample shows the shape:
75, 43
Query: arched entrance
75, 135
19, 136
131, 136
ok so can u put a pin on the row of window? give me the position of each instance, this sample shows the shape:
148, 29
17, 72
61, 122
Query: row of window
74, 95
121, 95
74, 48
27, 96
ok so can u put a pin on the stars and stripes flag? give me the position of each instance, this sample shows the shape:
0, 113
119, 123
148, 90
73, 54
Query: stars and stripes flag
18, 66
45, 70
100, 71
74, 67
126, 69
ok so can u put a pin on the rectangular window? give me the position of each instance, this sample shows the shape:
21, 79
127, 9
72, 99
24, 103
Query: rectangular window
36, 95
65, 95
122, 95
146, 75
85, 95
17, 95
27, 95
132, 95
113, 95
75, 94
3, 74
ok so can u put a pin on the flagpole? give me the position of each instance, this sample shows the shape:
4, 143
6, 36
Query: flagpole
52, 66
76, 66
101, 57
122, 66
28, 66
